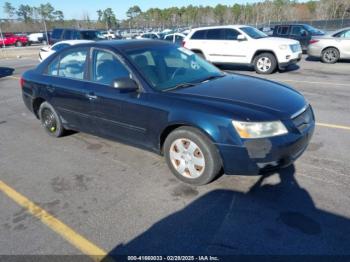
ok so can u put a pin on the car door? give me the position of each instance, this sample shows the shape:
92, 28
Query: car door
301, 34
67, 89
283, 31
119, 115
234, 50
215, 45
344, 44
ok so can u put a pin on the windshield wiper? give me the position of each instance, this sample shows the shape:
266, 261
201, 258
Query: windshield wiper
181, 85
211, 78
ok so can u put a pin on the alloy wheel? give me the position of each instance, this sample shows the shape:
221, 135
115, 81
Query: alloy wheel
330, 55
49, 120
264, 64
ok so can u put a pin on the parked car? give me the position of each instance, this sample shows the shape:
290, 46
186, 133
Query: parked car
60, 34
108, 34
176, 38
166, 99
267, 30
12, 39
301, 32
332, 47
149, 36
37, 38
46, 51
241, 44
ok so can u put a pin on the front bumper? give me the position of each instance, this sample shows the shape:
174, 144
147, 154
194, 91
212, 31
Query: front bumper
293, 59
258, 155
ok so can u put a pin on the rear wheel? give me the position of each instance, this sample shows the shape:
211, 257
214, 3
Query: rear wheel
265, 63
50, 120
330, 55
191, 156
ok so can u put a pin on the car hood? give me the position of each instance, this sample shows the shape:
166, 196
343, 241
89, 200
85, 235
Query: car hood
253, 94
273, 41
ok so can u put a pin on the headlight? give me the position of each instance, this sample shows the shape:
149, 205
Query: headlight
283, 47
259, 129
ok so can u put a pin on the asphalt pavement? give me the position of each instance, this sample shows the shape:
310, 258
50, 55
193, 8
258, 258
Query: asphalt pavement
124, 200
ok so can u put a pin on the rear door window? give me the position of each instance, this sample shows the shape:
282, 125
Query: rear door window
283, 30
200, 34
215, 34
72, 64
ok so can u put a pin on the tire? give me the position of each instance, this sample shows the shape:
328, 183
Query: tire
265, 63
19, 44
196, 147
50, 120
330, 55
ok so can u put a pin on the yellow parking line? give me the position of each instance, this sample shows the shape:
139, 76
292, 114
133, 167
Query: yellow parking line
333, 126
13, 77
77, 240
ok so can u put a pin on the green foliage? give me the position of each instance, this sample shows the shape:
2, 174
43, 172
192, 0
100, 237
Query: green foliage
9, 9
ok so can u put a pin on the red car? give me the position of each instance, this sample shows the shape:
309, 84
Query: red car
12, 39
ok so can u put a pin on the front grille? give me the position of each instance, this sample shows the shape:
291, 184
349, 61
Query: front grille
304, 119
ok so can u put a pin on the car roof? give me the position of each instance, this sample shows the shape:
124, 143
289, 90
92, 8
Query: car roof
218, 27
124, 45
74, 42
76, 29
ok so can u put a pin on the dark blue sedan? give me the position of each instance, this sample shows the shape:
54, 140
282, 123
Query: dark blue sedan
164, 98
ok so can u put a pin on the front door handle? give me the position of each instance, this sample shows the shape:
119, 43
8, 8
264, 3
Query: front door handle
91, 96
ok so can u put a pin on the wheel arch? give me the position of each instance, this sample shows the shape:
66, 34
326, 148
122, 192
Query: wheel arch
36, 105
261, 51
331, 46
172, 126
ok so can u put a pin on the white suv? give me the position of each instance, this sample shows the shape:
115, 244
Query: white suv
241, 44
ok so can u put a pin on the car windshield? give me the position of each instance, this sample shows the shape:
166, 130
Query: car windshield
91, 35
313, 30
253, 32
168, 67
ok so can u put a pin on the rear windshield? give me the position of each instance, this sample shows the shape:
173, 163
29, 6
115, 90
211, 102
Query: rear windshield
313, 30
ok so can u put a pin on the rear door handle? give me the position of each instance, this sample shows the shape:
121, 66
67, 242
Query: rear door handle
91, 96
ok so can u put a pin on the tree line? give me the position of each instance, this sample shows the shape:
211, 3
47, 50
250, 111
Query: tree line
251, 13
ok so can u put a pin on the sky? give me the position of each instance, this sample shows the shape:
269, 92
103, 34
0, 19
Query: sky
76, 8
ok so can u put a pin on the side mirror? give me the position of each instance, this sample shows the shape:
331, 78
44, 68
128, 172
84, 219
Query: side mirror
241, 38
125, 84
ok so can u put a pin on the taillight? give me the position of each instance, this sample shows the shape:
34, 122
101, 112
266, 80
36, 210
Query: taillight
21, 82
313, 41
183, 43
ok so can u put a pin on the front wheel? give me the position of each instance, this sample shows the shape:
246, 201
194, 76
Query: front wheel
50, 120
330, 55
265, 63
19, 44
191, 156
